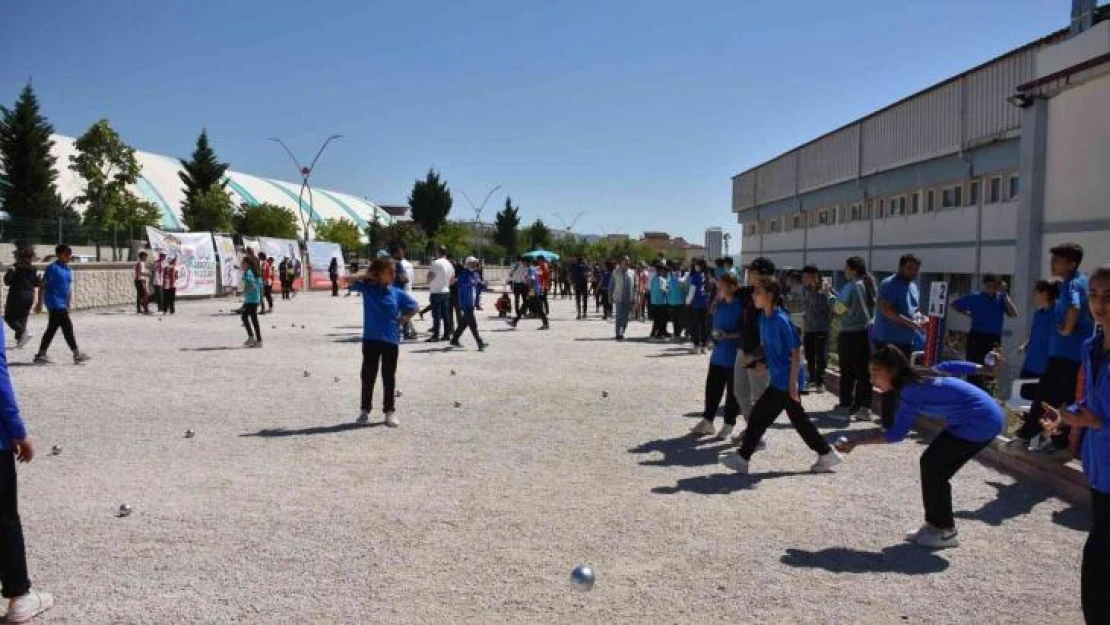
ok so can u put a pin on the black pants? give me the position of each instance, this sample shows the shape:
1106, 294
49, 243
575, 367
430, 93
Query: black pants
141, 298
285, 285
817, 353
250, 319
379, 355
520, 294
1057, 387
543, 302
719, 380
854, 350
767, 409
16, 312
606, 305
943, 458
890, 400
676, 314
467, 321
268, 293
158, 297
581, 298
13, 556
169, 300
1096, 562
659, 315
58, 319
334, 286
979, 344
532, 304
699, 326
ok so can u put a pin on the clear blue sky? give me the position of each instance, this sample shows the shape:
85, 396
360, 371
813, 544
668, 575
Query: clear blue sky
637, 112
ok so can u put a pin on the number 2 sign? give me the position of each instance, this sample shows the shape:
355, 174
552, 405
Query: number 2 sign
938, 299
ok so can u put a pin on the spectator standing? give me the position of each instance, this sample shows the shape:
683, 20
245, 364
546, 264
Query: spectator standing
622, 291
22, 280
518, 277
156, 278
439, 287
898, 320
142, 281
579, 275
1040, 331
854, 304
333, 275
816, 318
402, 279
169, 287
988, 310
56, 295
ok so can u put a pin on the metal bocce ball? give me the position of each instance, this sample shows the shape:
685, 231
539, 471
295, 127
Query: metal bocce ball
452, 372
397, 394
306, 374
458, 404
56, 449
604, 393
582, 577
190, 433
124, 510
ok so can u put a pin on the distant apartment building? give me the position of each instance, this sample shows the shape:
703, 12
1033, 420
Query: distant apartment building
714, 243
676, 248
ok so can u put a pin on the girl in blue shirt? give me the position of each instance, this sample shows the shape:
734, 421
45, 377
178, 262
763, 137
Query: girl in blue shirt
658, 303
252, 298
782, 352
697, 298
1040, 331
727, 313
972, 420
1091, 413
384, 309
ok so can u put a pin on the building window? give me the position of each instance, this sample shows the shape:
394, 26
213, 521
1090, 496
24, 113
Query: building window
915, 203
973, 193
1015, 186
823, 217
882, 208
951, 197
898, 205
856, 212
774, 225
994, 191
796, 222
930, 201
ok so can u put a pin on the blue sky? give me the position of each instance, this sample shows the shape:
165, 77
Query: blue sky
636, 112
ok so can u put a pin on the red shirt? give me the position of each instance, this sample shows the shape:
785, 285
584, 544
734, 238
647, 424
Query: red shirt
267, 274
169, 277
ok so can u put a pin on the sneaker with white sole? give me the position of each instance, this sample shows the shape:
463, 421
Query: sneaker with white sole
80, 357
703, 428
826, 462
249, 342
911, 536
738, 438
935, 538
391, 420
27, 607
42, 359
724, 432
863, 415
363, 418
24, 340
734, 461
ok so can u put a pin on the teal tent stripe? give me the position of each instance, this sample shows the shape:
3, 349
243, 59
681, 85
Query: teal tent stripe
311, 213
169, 219
384, 217
358, 219
242, 191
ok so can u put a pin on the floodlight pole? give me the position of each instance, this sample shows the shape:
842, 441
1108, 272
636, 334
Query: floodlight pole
478, 214
306, 174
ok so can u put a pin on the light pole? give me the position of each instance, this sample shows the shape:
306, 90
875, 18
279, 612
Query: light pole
478, 208
306, 173
725, 240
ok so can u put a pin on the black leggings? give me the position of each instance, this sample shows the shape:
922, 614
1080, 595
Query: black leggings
699, 328
854, 350
169, 297
1096, 561
467, 320
268, 293
943, 458
764, 413
581, 298
817, 352
13, 557
717, 381
250, 314
58, 319
659, 315
16, 313
375, 355
532, 304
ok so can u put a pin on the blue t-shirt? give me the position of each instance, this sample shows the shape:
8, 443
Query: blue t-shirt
779, 340
968, 411
1036, 350
252, 288
579, 273
905, 297
11, 424
606, 276
533, 281
1073, 294
727, 317
469, 287
675, 295
381, 307
1096, 398
987, 313
658, 294
701, 293
56, 283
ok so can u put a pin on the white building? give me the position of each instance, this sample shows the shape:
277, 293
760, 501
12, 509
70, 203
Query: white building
714, 243
981, 173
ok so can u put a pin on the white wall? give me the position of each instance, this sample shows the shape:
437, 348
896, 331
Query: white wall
793, 240
854, 233
1077, 178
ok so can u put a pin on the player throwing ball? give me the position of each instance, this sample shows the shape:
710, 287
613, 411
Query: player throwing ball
972, 419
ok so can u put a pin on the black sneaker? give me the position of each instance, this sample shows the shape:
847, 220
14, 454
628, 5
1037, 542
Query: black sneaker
432, 339
455, 344
482, 347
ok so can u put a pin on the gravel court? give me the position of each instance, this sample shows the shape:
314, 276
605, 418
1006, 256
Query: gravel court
279, 510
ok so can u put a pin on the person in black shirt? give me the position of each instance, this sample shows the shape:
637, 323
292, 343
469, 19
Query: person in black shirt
750, 382
21, 280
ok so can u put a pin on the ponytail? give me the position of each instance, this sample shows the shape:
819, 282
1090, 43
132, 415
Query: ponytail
898, 364
870, 290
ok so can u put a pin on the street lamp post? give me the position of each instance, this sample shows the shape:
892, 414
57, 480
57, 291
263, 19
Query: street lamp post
306, 173
478, 208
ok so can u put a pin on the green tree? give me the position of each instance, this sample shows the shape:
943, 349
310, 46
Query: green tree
211, 210
406, 233
200, 173
456, 238
341, 231
107, 165
506, 223
266, 220
30, 191
538, 235
430, 202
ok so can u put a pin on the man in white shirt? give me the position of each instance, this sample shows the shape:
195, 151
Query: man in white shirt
439, 288
622, 292
518, 275
402, 279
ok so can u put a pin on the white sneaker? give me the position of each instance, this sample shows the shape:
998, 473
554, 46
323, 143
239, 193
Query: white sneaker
249, 342
934, 538
391, 420
724, 432
734, 461
863, 415
911, 536
826, 462
80, 357
24, 340
363, 418
28, 607
819, 388
703, 428
739, 438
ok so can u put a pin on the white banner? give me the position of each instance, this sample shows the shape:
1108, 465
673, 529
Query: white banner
320, 254
196, 259
280, 249
229, 261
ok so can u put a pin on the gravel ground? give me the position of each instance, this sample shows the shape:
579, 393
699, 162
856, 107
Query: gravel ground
280, 511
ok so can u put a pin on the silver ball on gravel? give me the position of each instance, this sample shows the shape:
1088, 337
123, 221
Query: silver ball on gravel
306, 374
56, 449
582, 577
458, 404
452, 372
190, 433
604, 393
125, 510
397, 394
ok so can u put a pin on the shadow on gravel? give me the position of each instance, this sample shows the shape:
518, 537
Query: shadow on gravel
324, 429
223, 348
723, 483
1019, 499
670, 354
431, 350
683, 451
638, 339
905, 559
354, 338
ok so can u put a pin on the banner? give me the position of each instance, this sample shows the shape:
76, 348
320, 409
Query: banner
320, 254
196, 259
229, 262
279, 250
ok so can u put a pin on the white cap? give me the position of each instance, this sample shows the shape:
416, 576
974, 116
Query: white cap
470, 260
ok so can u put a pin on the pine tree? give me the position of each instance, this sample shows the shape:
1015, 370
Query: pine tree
25, 144
200, 173
430, 202
506, 223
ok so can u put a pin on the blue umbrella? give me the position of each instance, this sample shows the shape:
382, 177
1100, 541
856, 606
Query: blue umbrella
542, 254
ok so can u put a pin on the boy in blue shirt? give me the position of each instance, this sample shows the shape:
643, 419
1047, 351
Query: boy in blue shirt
676, 300
1092, 413
898, 320
56, 295
657, 299
385, 308
1040, 331
988, 310
728, 314
470, 285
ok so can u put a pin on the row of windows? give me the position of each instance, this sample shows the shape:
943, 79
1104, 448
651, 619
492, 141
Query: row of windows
988, 190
